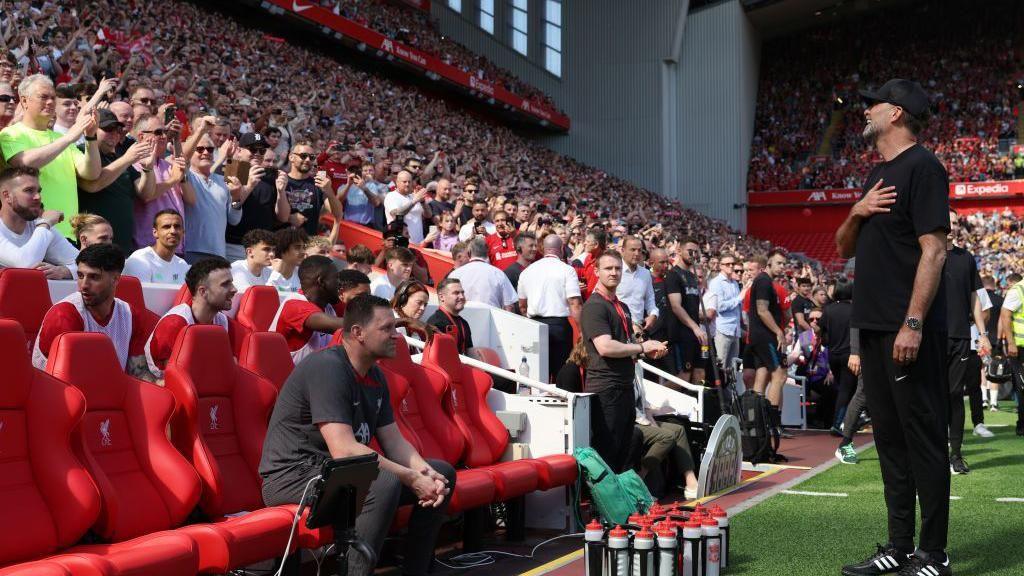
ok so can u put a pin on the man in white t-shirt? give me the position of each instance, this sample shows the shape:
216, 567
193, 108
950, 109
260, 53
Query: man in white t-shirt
27, 238
158, 263
483, 282
259, 255
398, 263
480, 225
289, 252
549, 292
404, 203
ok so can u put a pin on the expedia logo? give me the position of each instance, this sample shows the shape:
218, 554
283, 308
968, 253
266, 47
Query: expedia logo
960, 189
981, 189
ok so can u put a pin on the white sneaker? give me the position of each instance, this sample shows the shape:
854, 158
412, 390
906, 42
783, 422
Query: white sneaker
993, 408
980, 430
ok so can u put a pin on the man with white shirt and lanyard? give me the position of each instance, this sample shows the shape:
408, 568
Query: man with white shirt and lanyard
549, 292
27, 235
447, 319
636, 289
483, 282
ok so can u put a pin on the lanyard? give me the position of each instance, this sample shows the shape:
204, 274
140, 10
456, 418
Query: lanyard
618, 309
456, 327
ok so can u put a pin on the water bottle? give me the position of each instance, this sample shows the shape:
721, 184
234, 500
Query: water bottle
643, 553
691, 549
618, 552
524, 371
593, 550
667, 555
711, 554
723, 526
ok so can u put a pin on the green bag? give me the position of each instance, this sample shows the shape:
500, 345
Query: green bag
615, 496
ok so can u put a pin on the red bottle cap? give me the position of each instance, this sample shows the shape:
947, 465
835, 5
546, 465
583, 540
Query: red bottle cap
692, 524
594, 525
719, 513
645, 533
666, 533
617, 532
710, 522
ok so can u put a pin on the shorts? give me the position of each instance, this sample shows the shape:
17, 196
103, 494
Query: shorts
686, 353
964, 366
761, 355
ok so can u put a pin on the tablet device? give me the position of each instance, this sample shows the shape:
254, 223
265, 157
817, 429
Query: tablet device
341, 490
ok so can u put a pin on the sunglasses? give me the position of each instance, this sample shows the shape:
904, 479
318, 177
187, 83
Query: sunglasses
813, 319
738, 270
159, 132
146, 100
692, 251
205, 149
6, 98
304, 155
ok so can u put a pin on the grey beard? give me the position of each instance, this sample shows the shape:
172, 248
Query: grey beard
870, 133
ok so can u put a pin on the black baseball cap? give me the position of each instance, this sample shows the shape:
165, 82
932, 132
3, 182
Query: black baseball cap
252, 140
107, 120
906, 94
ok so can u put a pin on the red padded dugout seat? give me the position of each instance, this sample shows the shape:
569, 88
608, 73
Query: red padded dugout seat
486, 436
184, 296
42, 568
25, 297
267, 354
219, 426
417, 393
257, 308
48, 498
129, 289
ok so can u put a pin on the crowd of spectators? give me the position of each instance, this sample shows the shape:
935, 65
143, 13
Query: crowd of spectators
414, 28
809, 76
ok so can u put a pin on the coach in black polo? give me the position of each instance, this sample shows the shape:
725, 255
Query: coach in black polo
897, 231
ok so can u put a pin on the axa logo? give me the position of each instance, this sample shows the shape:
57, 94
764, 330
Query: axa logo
387, 46
818, 196
214, 423
105, 433
363, 433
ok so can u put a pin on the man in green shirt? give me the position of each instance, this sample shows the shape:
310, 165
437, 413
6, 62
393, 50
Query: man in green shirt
32, 143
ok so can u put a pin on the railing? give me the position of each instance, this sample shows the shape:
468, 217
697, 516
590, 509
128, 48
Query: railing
661, 397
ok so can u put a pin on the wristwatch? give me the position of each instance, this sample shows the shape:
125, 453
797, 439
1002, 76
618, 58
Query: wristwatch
913, 323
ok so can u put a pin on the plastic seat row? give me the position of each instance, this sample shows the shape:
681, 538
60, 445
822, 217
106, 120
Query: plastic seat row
86, 448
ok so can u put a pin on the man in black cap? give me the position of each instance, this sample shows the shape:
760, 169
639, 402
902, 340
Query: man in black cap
898, 231
263, 202
113, 194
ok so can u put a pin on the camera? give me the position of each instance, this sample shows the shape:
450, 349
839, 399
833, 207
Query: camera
402, 241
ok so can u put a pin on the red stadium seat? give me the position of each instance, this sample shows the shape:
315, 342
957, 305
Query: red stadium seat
220, 424
42, 568
129, 289
183, 296
485, 435
267, 354
337, 338
257, 308
25, 297
489, 355
49, 499
417, 393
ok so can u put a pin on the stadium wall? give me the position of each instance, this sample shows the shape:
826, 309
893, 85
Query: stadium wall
656, 96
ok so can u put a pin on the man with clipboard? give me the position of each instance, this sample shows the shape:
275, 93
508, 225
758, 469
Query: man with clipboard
333, 403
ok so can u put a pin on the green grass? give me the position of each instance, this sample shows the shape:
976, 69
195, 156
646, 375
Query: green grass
791, 535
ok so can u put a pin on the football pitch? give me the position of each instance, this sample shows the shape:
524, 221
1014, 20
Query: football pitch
840, 515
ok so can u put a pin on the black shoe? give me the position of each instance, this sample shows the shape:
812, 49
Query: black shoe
919, 564
888, 560
957, 465
1020, 427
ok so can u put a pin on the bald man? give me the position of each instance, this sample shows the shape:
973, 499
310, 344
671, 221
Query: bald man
550, 293
403, 203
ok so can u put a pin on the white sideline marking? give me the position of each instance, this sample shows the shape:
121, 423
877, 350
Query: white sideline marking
954, 498
1009, 499
834, 494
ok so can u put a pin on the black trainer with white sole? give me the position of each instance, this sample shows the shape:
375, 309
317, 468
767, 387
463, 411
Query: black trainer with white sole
888, 560
919, 564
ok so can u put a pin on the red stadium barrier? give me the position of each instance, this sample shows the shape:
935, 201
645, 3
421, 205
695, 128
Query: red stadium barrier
438, 263
957, 191
378, 41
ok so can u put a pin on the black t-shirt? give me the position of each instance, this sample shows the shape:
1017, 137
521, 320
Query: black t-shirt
684, 283
306, 199
116, 203
513, 271
439, 206
992, 326
323, 388
659, 330
962, 280
763, 289
835, 328
465, 215
599, 317
887, 246
803, 306
258, 212
462, 334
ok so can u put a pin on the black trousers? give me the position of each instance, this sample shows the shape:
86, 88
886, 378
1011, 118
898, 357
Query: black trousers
559, 342
964, 375
845, 383
909, 412
612, 417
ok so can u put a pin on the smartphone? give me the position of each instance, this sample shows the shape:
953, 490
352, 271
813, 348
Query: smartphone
432, 230
270, 175
239, 169
169, 114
